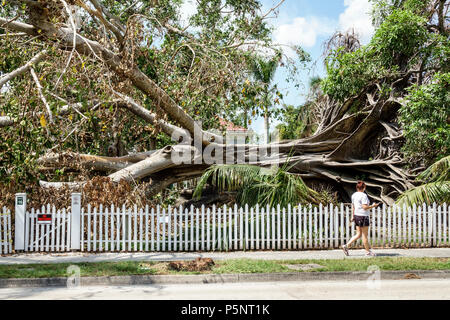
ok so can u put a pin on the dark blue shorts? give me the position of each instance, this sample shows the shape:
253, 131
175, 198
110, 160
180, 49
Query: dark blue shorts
362, 221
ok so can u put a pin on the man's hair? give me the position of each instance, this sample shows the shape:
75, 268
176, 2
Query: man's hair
360, 186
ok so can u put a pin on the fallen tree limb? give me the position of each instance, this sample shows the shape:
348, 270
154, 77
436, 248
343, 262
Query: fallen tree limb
6, 121
41, 94
99, 163
160, 160
59, 185
87, 47
36, 59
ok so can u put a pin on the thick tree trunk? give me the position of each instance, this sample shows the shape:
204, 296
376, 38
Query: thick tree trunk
339, 154
384, 178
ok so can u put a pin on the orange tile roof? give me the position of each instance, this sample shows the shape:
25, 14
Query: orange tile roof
230, 126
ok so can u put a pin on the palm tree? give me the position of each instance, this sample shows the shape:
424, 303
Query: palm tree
256, 185
264, 71
436, 188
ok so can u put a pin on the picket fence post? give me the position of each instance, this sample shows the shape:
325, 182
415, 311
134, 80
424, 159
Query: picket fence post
433, 231
20, 211
75, 234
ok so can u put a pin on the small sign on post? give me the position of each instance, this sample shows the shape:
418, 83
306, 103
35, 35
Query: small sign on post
163, 219
44, 218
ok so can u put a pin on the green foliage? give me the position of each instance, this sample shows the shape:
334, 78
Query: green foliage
437, 188
382, 9
17, 163
349, 72
264, 70
425, 119
429, 193
399, 39
405, 43
296, 122
438, 171
315, 82
203, 69
255, 185
228, 177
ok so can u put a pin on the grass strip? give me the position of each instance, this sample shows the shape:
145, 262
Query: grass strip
221, 267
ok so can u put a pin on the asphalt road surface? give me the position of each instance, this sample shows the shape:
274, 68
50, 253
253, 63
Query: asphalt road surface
371, 289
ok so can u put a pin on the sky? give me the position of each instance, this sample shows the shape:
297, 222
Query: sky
308, 23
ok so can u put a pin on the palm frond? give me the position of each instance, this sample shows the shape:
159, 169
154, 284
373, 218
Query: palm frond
227, 177
255, 185
264, 70
438, 171
315, 81
438, 192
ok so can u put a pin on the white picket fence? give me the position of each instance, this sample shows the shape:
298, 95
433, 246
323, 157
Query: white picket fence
225, 228
5, 231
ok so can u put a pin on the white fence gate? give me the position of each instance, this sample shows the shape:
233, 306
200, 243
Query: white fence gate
47, 229
5, 231
54, 237
224, 228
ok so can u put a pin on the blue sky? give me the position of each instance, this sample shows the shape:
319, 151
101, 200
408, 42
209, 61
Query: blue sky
308, 23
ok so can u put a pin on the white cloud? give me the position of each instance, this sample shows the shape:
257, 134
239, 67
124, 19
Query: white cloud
357, 16
188, 9
303, 31
259, 48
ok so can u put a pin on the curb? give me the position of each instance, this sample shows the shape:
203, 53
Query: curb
222, 278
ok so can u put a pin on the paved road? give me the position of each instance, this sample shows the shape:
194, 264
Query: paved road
262, 255
389, 289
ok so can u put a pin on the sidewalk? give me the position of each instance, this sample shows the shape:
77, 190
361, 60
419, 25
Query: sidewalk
74, 257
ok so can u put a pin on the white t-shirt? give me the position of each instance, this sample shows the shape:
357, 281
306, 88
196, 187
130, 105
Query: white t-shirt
358, 199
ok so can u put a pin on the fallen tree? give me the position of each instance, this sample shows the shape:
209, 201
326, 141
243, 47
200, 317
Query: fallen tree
358, 137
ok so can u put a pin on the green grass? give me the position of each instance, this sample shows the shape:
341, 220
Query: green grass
384, 263
60, 269
221, 267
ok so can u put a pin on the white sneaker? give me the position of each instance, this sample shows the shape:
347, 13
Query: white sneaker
371, 254
345, 249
